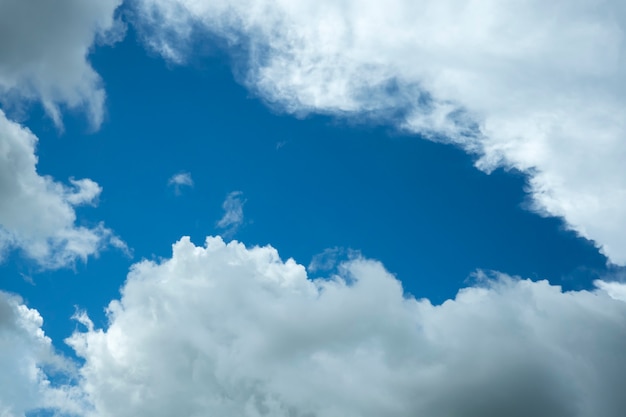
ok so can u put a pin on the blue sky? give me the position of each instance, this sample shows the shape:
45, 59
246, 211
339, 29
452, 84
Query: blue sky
343, 183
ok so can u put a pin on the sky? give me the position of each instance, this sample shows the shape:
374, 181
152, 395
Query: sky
312, 208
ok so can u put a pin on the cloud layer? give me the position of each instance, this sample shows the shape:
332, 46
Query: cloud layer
522, 85
37, 214
227, 330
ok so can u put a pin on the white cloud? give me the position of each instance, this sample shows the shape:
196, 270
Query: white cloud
616, 290
534, 86
43, 52
43, 56
226, 330
37, 214
27, 359
182, 179
233, 213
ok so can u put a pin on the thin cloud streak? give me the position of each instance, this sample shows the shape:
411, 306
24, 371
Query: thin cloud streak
233, 214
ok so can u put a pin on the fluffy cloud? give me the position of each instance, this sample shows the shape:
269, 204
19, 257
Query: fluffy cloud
26, 356
43, 52
522, 85
226, 330
37, 214
43, 56
233, 213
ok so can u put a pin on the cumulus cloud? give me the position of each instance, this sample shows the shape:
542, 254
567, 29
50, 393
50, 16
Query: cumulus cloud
182, 179
526, 85
27, 359
233, 213
235, 331
43, 52
37, 214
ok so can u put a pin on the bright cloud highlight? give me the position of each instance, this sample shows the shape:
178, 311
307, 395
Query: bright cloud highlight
525, 85
227, 330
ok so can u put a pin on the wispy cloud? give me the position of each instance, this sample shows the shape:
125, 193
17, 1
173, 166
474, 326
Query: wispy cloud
233, 214
330, 258
180, 180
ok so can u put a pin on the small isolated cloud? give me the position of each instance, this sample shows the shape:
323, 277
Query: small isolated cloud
227, 330
233, 213
37, 213
182, 179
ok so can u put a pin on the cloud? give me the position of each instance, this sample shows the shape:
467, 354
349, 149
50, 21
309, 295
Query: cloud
37, 214
615, 289
229, 330
27, 359
330, 258
43, 56
44, 48
182, 179
233, 213
521, 85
